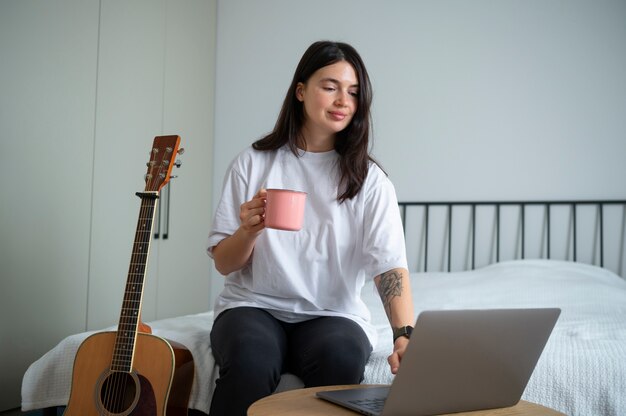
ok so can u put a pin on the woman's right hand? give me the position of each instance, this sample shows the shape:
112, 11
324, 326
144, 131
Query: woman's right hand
233, 252
252, 214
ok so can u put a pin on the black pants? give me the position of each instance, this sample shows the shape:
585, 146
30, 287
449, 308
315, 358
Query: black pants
253, 349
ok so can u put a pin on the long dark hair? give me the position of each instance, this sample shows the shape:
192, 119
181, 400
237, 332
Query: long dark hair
352, 143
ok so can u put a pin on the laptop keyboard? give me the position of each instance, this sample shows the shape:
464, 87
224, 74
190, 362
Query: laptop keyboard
374, 404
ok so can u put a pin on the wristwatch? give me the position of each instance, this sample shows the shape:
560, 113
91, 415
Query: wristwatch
404, 331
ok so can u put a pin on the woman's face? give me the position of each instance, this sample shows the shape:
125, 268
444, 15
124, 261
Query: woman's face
330, 98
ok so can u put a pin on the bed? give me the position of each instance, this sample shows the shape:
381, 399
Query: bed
582, 370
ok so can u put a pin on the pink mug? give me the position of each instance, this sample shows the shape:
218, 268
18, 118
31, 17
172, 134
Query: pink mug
284, 209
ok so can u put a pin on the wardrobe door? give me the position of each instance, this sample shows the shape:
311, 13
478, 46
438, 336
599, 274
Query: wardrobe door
129, 112
183, 265
48, 70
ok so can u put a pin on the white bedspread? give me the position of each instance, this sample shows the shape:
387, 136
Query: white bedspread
582, 370
47, 381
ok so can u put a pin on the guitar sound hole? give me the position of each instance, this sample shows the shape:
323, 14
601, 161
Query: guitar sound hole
119, 392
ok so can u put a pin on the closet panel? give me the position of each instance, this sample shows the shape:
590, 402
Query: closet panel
183, 265
48, 66
129, 114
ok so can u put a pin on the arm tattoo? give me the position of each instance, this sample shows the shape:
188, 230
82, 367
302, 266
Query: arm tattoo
389, 286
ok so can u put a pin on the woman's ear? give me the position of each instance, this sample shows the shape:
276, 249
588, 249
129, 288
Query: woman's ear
300, 91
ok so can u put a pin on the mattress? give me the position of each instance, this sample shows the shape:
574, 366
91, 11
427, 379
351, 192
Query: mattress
582, 370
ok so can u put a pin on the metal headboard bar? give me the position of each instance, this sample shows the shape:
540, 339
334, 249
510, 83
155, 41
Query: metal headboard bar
574, 204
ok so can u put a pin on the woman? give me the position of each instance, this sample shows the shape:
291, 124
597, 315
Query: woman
291, 300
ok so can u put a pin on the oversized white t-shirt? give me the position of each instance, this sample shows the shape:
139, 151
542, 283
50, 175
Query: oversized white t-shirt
321, 269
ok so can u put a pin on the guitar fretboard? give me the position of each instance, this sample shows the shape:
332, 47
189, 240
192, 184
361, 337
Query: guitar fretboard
131, 305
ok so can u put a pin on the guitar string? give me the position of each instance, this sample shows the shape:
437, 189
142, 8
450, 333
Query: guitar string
117, 383
133, 292
139, 261
143, 235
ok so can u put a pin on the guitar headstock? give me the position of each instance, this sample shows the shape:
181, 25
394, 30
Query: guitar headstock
162, 160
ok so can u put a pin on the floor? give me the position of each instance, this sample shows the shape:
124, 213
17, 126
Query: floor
18, 412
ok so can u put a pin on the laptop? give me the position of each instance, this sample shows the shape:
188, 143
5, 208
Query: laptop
459, 361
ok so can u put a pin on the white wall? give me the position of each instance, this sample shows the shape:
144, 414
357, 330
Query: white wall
472, 99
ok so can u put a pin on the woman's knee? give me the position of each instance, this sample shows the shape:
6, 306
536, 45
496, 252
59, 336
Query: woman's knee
345, 356
336, 353
248, 342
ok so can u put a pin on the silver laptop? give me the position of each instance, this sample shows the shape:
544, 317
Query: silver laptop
458, 361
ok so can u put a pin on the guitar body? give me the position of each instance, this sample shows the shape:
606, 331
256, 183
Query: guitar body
158, 385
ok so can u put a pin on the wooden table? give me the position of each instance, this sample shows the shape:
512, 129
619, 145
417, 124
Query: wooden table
302, 402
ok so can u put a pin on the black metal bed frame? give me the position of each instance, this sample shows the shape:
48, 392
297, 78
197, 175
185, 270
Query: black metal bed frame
573, 204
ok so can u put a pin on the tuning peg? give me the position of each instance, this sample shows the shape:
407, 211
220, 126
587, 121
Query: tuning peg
178, 163
181, 151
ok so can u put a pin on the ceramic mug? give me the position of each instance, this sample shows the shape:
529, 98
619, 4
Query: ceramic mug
284, 209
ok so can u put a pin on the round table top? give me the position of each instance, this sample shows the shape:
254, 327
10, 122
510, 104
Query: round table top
302, 402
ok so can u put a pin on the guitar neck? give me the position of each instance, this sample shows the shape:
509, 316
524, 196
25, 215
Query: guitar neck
124, 348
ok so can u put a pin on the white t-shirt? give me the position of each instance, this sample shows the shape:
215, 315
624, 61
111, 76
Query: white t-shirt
321, 269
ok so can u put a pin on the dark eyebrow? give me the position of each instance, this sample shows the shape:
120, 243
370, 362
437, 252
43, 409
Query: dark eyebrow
335, 81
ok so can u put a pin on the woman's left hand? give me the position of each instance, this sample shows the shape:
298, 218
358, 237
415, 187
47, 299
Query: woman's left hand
399, 348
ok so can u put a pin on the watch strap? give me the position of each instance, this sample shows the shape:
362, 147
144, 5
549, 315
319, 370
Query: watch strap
404, 331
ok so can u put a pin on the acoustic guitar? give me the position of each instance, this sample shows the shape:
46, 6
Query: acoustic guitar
130, 371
